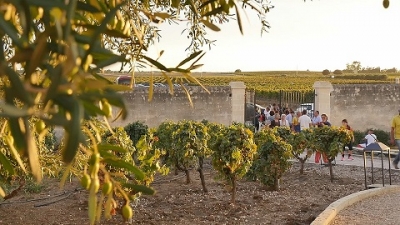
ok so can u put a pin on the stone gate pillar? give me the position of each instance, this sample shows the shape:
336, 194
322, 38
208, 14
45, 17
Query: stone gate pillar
323, 91
238, 90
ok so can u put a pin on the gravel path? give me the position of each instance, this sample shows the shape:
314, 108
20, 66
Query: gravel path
382, 209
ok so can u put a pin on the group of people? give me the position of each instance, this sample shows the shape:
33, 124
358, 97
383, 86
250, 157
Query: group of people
298, 121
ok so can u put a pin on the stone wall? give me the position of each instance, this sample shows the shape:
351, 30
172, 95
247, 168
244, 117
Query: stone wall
365, 105
215, 106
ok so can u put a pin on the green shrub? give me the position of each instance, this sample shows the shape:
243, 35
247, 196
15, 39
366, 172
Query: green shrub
136, 130
272, 158
359, 136
233, 154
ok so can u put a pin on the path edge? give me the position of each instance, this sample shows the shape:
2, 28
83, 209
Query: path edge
329, 214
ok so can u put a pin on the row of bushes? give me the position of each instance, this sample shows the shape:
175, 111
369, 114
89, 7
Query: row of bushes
127, 158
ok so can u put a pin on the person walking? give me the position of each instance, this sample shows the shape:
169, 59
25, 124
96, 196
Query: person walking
345, 124
395, 137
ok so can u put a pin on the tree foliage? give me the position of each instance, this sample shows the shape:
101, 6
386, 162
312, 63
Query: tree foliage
53, 52
272, 158
233, 154
330, 140
302, 146
189, 148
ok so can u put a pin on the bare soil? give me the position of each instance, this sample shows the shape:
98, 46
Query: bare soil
300, 200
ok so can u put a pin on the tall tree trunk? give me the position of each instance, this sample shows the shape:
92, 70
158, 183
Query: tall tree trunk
302, 161
276, 184
233, 200
200, 169
330, 169
187, 176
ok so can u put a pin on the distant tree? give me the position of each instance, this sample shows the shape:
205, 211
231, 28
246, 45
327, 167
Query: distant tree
326, 72
337, 72
393, 70
238, 71
355, 66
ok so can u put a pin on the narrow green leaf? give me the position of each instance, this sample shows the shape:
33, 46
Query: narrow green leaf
118, 87
106, 155
18, 89
14, 152
17, 134
55, 74
92, 109
109, 32
193, 67
11, 111
100, 29
198, 59
214, 12
162, 15
107, 147
86, 7
125, 165
239, 19
2, 193
6, 164
33, 153
47, 4
111, 60
12, 32
73, 130
187, 94
156, 64
206, 3
139, 188
176, 3
101, 78
69, 17
192, 56
210, 25
169, 82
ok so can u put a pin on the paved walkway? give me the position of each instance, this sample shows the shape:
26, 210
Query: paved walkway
381, 209
359, 161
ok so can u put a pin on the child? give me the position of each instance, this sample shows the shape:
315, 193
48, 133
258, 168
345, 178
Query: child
345, 125
369, 138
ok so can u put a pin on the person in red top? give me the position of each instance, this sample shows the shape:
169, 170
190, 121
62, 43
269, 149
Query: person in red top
345, 124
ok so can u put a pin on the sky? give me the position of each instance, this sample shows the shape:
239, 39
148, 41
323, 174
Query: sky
312, 35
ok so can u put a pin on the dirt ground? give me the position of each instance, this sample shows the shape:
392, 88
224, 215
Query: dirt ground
299, 201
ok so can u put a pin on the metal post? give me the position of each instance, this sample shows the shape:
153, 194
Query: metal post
372, 166
383, 175
365, 169
390, 171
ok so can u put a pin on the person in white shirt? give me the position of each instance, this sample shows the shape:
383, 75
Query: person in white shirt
289, 116
370, 138
304, 121
316, 119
